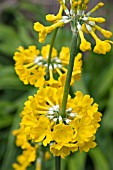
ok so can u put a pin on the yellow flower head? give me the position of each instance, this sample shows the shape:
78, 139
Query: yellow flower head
84, 21
21, 139
25, 159
44, 30
42, 121
32, 67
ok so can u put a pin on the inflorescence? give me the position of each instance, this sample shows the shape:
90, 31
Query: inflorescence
43, 123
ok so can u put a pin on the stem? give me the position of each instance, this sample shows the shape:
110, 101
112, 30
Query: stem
74, 51
42, 161
57, 162
50, 51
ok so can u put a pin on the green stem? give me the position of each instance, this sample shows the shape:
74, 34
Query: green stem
74, 51
57, 162
42, 161
50, 51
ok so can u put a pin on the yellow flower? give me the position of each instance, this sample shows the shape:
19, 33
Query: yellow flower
84, 129
31, 128
25, 159
43, 122
84, 21
63, 150
102, 47
88, 145
21, 139
64, 131
43, 31
33, 68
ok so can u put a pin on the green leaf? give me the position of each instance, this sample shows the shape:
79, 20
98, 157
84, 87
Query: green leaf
105, 80
6, 121
6, 107
80, 86
77, 162
108, 115
9, 40
99, 159
9, 79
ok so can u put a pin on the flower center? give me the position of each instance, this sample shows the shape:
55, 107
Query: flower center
54, 114
55, 62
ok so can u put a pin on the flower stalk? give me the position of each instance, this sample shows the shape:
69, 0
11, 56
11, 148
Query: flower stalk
50, 51
57, 162
74, 51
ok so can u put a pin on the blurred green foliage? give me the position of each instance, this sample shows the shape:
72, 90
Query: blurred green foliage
16, 28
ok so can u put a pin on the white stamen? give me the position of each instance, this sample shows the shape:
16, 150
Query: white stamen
67, 21
55, 66
69, 110
39, 63
72, 12
50, 109
40, 57
88, 27
56, 108
60, 119
70, 1
37, 59
80, 12
55, 120
67, 121
91, 23
50, 67
51, 143
59, 66
88, 14
50, 117
65, 17
46, 65
51, 112
73, 115
85, 19
58, 60
79, 26
66, 11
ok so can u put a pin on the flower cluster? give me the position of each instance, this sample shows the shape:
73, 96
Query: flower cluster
29, 152
52, 118
32, 66
42, 121
85, 23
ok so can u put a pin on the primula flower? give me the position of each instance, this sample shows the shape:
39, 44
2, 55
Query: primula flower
29, 152
25, 159
21, 140
75, 129
32, 67
84, 21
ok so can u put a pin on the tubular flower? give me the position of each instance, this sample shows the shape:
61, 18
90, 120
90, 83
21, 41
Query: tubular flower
29, 152
21, 140
75, 129
25, 159
58, 21
85, 23
32, 67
